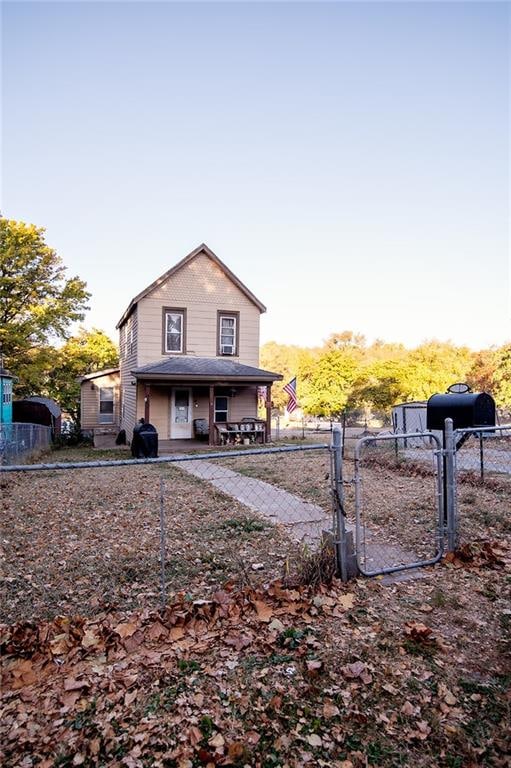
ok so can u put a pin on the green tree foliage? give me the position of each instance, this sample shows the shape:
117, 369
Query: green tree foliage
326, 386
346, 373
502, 377
84, 353
441, 364
38, 303
55, 372
283, 359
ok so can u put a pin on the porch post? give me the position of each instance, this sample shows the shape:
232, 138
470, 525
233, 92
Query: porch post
268, 413
211, 440
147, 402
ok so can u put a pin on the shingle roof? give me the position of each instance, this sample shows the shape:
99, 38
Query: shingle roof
97, 374
204, 368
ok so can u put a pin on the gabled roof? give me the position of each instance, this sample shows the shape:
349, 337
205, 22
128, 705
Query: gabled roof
203, 369
96, 374
187, 259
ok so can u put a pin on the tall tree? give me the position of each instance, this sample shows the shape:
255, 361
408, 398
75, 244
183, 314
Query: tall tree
55, 372
502, 377
84, 353
38, 303
327, 384
286, 360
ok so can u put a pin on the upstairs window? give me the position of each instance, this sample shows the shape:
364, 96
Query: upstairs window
106, 405
130, 339
228, 333
173, 331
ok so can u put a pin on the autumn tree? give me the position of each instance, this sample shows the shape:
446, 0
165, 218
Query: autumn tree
38, 303
480, 377
286, 360
84, 353
502, 377
440, 364
326, 385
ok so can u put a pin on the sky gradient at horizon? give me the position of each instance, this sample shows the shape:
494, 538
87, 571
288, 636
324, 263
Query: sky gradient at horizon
348, 161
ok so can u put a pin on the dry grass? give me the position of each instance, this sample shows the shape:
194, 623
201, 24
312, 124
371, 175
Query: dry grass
414, 673
75, 541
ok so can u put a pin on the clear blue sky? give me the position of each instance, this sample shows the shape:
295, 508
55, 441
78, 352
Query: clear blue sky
348, 161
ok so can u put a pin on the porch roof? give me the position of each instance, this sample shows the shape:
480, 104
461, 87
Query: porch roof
203, 369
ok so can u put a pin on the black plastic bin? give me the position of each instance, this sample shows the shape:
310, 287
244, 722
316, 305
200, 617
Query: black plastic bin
145, 441
200, 428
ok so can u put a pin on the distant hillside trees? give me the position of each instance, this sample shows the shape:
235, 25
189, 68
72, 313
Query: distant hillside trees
346, 373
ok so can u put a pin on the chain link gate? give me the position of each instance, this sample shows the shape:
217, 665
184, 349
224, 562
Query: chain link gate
399, 506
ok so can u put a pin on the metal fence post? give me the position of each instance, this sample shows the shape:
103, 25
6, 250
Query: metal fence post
449, 485
339, 521
481, 456
162, 545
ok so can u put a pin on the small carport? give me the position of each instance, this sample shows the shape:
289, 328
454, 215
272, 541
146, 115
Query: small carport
177, 393
38, 410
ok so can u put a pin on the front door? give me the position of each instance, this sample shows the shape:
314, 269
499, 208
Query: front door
181, 414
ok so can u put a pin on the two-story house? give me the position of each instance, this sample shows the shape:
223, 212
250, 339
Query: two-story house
189, 357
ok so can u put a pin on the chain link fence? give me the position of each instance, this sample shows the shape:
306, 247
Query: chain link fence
86, 537
92, 536
408, 498
482, 489
19, 442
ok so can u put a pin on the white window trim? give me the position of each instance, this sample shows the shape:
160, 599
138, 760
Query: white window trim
101, 416
222, 410
227, 316
168, 313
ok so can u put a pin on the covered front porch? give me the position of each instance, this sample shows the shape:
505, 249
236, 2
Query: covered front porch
217, 402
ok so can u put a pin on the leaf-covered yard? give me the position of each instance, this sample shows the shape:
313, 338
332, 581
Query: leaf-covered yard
239, 670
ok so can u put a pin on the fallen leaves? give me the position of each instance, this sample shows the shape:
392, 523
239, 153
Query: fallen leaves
480, 554
345, 676
264, 611
70, 684
126, 630
221, 681
420, 633
357, 670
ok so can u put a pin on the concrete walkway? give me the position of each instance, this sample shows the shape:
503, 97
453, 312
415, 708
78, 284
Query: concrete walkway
303, 521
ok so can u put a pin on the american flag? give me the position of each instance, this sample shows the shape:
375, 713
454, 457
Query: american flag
290, 389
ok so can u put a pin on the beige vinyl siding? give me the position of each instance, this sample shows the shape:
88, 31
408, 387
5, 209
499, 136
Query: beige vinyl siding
244, 404
203, 288
128, 363
159, 408
201, 397
90, 401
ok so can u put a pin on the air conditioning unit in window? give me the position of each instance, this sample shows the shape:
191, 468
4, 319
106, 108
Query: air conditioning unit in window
227, 349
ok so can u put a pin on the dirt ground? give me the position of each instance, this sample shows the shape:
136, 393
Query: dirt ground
241, 668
